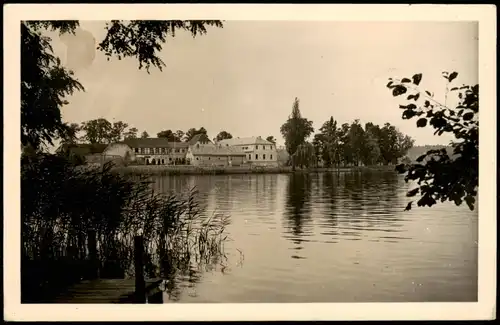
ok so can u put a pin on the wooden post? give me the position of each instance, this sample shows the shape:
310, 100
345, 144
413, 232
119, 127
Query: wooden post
140, 285
92, 245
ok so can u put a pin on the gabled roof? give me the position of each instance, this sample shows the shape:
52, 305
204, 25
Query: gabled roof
245, 141
215, 151
153, 143
83, 149
200, 137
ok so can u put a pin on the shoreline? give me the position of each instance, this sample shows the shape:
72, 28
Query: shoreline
192, 170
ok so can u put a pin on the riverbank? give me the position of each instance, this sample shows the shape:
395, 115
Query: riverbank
195, 170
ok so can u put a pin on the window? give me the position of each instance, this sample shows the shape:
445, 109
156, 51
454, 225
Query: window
143, 151
264, 156
249, 157
271, 157
162, 150
136, 150
257, 147
170, 158
197, 158
163, 162
208, 158
256, 156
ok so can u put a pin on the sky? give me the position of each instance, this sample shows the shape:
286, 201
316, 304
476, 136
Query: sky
243, 78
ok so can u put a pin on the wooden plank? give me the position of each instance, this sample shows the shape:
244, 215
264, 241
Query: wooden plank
105, 291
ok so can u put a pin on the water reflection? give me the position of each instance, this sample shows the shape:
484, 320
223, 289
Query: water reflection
329, 237
297, 214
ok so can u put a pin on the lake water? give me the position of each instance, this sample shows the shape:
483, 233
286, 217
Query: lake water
331, 237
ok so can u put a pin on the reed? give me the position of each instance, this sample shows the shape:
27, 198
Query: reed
61, 204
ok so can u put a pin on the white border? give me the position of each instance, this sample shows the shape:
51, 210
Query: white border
484, 309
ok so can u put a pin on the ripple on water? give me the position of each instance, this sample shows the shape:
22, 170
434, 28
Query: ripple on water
335, 237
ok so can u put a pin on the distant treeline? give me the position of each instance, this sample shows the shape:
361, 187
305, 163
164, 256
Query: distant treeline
417, 151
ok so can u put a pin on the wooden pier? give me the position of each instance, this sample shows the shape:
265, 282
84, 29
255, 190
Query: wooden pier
109, 291
135, 290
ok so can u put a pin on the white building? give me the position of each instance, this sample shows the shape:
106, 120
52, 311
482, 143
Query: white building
258, 152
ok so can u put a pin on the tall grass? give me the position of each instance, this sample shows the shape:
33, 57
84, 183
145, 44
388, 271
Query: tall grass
62, 204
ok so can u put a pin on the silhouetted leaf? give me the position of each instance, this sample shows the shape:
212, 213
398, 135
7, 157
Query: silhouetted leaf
428, 93
401, 168
470, 200
408, 207
422, 122
421, 158
452, 76
417, 78
398, 90
405, 80
389, 85
413, 192
468, 116
454, 88
408, 114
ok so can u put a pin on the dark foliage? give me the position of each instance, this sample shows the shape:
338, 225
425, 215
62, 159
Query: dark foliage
439, 176
45, 82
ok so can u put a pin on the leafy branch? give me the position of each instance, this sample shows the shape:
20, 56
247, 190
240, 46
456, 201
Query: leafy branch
442, 177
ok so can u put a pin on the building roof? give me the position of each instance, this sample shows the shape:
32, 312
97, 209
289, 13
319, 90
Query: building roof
83, 149
154, 143
215, 151
200, 137
244, 141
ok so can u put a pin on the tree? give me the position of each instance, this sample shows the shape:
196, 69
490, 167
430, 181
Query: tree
370, 154
131, 133
144, 135
180, 135
443, 177
223, 135
295, 130
403, 144
44, 85
97, 131
117, 131
171, 136
393, 144
70, 135
192, 132
271, 139
45, 82
356, 138
326, 143
305, 155
346, 150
